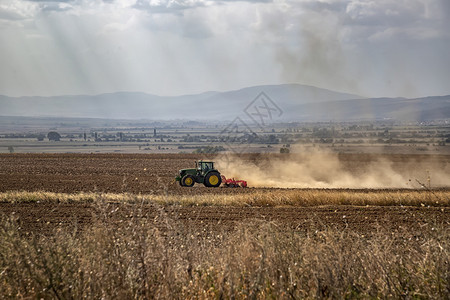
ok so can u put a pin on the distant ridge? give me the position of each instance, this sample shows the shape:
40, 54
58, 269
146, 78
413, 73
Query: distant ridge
298, 103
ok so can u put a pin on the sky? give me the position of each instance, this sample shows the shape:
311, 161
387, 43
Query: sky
395, 48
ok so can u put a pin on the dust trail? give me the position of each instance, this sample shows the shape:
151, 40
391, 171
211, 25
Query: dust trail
322, 169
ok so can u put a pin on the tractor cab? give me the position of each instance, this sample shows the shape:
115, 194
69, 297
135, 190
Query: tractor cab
204, 167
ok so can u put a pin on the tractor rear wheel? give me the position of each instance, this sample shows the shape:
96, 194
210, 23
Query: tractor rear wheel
212, 179
187, 180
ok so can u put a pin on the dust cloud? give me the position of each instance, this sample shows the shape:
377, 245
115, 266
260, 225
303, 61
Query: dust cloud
322, 169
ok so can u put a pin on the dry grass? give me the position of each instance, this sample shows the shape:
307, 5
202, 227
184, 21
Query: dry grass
134, 259
276, 197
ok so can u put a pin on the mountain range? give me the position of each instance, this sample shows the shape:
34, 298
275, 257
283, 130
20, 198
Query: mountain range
290, 102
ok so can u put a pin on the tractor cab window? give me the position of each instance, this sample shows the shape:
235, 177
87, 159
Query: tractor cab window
206, 166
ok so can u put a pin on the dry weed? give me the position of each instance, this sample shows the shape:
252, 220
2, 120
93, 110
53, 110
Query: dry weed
137, 258
275, 197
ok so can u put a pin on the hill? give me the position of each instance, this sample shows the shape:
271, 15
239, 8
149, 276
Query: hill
297, 102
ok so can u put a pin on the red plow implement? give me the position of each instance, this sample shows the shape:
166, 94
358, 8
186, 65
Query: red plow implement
231, 182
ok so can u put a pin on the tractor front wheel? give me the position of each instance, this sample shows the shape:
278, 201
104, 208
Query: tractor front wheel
213, 179
187, 180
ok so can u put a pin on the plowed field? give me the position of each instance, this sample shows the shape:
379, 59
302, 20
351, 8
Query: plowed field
153, 174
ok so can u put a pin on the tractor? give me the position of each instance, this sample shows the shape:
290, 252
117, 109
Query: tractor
204, 172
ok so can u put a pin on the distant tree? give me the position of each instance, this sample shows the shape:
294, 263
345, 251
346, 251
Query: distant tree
11, 149
84, 136
208, 149
272, 139
53, 136
40, 137
284, 150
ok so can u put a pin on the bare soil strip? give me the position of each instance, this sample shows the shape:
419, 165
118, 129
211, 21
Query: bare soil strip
46, 217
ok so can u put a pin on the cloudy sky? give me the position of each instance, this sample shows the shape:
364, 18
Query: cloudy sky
172, 47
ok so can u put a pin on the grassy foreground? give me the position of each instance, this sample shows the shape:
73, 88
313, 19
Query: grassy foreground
275, 197
134, 259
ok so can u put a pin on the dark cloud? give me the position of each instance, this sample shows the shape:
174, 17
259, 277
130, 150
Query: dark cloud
54, 7
444, 5
41, 1
10, 15
338, 6
386, 14
50, 1
176, 6
250, 1
167, 6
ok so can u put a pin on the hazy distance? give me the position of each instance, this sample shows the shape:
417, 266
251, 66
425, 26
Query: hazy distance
268, 103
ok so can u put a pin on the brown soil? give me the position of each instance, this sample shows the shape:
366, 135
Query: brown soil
144, 173
134, 173
43, 218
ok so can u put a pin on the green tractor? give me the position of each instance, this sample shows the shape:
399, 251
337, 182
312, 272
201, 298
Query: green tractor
204, 172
